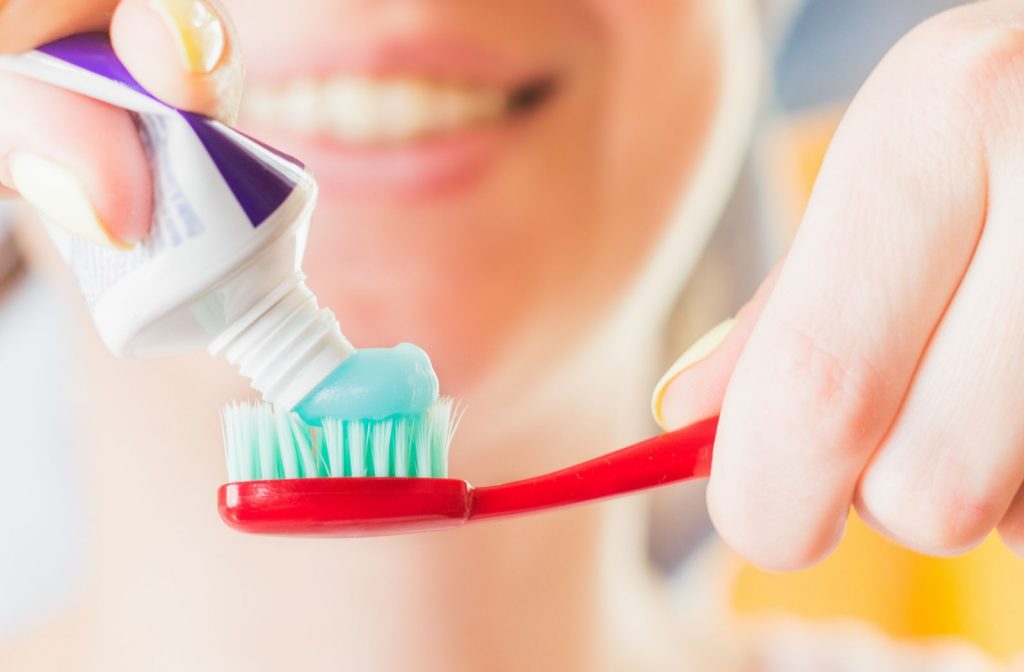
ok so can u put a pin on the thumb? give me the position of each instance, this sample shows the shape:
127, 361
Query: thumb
694, 386
184, 52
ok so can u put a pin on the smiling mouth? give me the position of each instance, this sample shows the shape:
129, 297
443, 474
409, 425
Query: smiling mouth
371, 111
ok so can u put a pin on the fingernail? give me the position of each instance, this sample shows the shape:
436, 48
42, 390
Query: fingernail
59, 195
697, 352
197, 29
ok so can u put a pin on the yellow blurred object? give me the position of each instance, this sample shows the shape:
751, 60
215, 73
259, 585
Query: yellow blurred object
794, 150
978, 597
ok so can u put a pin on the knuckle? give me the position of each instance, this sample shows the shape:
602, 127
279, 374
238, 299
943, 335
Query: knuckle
837, 391
1011, 527
1012, 533
977, 62
933, 517
957, 524
772, 534
776, 551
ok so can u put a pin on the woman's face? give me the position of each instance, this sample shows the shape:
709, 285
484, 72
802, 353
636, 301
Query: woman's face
492, 173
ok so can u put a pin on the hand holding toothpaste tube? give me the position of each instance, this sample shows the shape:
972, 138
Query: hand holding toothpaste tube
81, 161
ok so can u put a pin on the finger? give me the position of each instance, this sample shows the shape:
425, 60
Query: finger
25, 24
954, 459
77, 160
1011, 529
882, 247
952, 463
694, 387
182, 51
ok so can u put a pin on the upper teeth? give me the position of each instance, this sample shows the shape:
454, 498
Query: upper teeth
365, 110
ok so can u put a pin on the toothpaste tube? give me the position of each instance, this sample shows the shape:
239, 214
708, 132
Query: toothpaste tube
221, 267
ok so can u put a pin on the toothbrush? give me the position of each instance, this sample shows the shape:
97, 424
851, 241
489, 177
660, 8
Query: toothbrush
380, 475
362, 506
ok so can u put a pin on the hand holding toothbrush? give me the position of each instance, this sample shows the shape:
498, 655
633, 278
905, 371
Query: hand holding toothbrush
80, 161
881, 365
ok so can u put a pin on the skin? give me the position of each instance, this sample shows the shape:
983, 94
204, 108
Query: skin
908, 241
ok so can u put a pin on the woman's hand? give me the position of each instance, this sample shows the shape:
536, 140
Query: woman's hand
81, 161
882, 364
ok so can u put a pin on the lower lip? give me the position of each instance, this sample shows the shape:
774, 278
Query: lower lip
426, 168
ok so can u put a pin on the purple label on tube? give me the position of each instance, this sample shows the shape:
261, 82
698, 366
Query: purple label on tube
259, 188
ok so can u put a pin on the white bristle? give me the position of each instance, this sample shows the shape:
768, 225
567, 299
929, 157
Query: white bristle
262, 442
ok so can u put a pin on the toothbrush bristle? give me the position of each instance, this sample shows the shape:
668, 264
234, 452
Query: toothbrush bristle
262, 443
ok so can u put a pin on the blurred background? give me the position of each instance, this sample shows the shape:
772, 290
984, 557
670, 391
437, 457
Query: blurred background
817, 55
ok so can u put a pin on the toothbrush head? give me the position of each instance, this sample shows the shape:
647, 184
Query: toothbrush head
347, 478
262, 443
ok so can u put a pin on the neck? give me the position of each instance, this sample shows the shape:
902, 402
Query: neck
171, 583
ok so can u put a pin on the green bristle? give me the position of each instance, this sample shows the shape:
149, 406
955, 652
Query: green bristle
261, 443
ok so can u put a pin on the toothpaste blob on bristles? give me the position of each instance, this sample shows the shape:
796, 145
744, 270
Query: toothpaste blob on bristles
374, 383
263, 443
378, 413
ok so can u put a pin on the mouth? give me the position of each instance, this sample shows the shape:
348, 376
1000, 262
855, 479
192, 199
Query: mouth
413, 120
364, 111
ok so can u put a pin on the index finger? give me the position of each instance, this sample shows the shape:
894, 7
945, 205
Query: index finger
26, 24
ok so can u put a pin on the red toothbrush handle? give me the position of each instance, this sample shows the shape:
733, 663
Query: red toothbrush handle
675, 456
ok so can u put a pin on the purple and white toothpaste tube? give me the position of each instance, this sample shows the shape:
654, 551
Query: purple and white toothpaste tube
221, 267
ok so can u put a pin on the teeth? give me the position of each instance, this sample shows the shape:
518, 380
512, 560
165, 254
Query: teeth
365, 110
406, 110
348, 110
260, 104
300, 102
